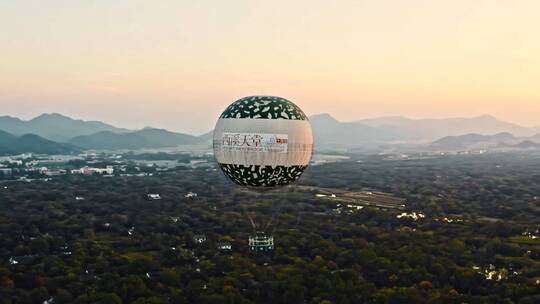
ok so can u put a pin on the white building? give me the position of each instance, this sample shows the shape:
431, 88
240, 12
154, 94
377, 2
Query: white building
153, 196
415, 216
191, 195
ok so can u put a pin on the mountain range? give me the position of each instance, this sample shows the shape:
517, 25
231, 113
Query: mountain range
70, 135
55, 127
432, 129
452, 134
368, 133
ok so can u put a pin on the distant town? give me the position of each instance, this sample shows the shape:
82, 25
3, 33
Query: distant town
28, 166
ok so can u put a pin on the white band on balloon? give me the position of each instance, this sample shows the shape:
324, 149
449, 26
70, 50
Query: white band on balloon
263, 142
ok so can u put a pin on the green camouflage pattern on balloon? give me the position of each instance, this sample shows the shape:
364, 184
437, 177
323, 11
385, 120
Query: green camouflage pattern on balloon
262, 176
264, 107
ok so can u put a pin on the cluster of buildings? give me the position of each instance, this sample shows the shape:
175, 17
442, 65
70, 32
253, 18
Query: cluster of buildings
27, 166
109, 170
490, 272
347, 209
49, 172
22, 165
86, 170
534, 234
413, 215
6, 171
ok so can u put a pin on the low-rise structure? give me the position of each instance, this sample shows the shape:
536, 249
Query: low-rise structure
21, 260
54, 172
191, 195
224, 246
86, 170
533, 234
413, 215
6, 171
199, 238
153, 196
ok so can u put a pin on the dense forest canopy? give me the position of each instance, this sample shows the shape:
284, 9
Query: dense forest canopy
467, 233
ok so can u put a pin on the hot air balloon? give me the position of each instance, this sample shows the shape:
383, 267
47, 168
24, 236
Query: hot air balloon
263, 142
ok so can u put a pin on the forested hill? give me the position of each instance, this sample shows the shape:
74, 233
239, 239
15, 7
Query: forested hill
31, 143
145, 138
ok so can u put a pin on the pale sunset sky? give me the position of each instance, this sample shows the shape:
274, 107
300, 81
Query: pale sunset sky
177, 64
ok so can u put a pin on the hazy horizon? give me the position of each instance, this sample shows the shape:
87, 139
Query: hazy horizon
210, 129
178, 64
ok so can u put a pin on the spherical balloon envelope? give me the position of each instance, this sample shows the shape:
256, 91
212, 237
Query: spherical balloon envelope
263, 141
